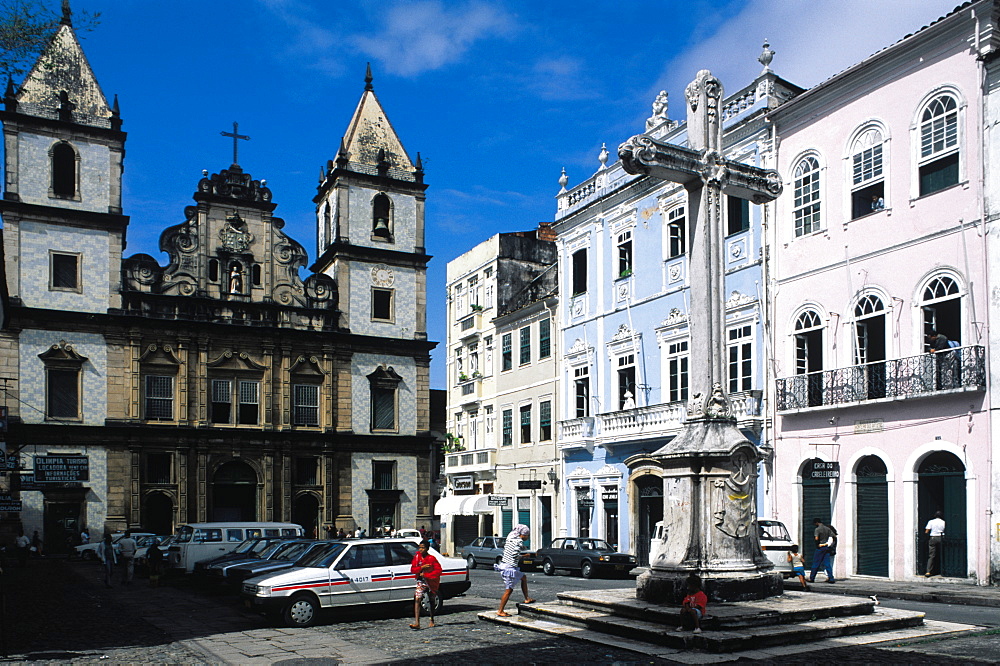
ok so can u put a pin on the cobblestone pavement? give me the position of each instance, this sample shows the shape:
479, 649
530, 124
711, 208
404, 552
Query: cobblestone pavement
58, 611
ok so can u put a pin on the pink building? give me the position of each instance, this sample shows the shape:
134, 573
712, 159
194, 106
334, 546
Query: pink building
879, 238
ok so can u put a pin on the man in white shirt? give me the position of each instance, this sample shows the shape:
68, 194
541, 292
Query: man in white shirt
126, 548
935, 528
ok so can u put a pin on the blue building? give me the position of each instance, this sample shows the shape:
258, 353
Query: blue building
622, 244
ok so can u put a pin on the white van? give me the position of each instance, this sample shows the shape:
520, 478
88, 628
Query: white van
194, 542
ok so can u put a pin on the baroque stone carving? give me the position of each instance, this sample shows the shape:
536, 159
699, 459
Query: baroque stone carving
234, 234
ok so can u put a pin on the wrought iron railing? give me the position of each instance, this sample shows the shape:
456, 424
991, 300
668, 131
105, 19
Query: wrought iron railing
910, 377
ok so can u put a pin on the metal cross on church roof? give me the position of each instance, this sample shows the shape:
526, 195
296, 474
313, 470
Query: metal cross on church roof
236, 137
706, 174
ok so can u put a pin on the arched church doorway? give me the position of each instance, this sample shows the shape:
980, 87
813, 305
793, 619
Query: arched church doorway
649, 511
305, 512
941, 487
815, 504
234, 492
158, 513
872, 504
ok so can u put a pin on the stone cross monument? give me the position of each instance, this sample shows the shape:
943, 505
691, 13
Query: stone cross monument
710, 469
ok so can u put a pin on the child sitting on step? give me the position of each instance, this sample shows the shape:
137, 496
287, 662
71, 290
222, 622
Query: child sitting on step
694, 605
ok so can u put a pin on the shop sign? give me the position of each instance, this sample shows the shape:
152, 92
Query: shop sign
8, 503
61, 469
585, 501
462, 482
529, 484
499, 501
9, 462
824, 470
610, 495
28, 482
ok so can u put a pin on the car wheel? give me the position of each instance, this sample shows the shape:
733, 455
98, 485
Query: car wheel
301, 611
587, 570
471, 561
548, 568
88, 556
425, 604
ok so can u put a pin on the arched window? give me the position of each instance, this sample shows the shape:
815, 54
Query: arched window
63, 170
213, 270
255, 273
381, 217
868, 179
807, 202
870, 345
809, 357
941, 303
939, 145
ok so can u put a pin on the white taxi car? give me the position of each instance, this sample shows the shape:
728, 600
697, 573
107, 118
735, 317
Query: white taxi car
348, 573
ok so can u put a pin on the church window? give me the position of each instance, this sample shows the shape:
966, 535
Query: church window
255, 275
545, 421
247, 407
384, 384
544, 338
525, 424
939, 145
740, 351
63, 374
382, 217
213, 270
305, 404
580, 272
508, 427
525, 355
625, 253
63, 171
507, 357
737, 215
677, 232
382, 304
64, 271
383, 475
807, 202
159, 397
677, 370
868, 178
307, 471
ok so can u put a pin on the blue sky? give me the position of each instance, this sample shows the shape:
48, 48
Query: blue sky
496, 96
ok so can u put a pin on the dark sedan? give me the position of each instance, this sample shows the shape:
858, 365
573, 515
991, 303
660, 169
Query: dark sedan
223, 570
488, 550
285, 559
588, 556
250, 549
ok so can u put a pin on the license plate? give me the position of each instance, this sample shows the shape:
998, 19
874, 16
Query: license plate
529, 562
248, 604
621, 566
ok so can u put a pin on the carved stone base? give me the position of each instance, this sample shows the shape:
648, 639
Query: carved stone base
660, 587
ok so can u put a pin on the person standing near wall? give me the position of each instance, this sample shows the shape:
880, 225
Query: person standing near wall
127, 547
106, 553
935, 530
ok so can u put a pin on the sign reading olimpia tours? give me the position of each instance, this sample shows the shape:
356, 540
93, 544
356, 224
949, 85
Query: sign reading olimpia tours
61, 469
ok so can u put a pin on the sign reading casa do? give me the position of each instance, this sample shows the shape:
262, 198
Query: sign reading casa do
61, 469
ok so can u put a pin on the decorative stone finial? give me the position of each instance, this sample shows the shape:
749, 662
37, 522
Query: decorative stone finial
10, 96
765, 58
67, 14
659, 111
603, 157
368, 77
204, 173
563, 179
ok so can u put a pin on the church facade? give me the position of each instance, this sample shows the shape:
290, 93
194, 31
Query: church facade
222, 385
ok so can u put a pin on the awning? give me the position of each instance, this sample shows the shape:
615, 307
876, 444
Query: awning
464, 505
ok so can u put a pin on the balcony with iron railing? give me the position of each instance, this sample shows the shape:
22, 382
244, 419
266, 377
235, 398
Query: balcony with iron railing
956, 370
465, 462
649, 422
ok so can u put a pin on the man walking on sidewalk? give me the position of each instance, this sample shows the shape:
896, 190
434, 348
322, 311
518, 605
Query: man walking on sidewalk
935, 528
825, 540
126, 548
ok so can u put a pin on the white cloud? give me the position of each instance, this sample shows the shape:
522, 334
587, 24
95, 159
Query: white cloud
813, 41
422, 36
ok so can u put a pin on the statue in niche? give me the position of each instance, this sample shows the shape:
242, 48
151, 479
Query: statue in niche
235, 279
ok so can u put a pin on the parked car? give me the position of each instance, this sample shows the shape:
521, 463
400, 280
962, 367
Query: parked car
348, 573
223, 570
407, 533
775, 543
88, 551
588, 556
489, 550
285, 558
251, 549
140, 554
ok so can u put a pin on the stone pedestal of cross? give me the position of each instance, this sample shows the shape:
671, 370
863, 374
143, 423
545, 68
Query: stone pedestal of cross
710, 468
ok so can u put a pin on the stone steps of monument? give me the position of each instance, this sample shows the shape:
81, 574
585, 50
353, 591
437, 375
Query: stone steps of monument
589, 624
787, 608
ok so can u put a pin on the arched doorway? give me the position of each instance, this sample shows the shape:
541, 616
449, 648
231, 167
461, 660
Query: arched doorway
815, 504
158, 513
234, 492
306, 513
649, 511
941, 487
872, 504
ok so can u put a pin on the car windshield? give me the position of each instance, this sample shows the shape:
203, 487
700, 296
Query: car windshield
261, 545
323, 555
596, 544
184, 534
773, 531
293, 552
246, 546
